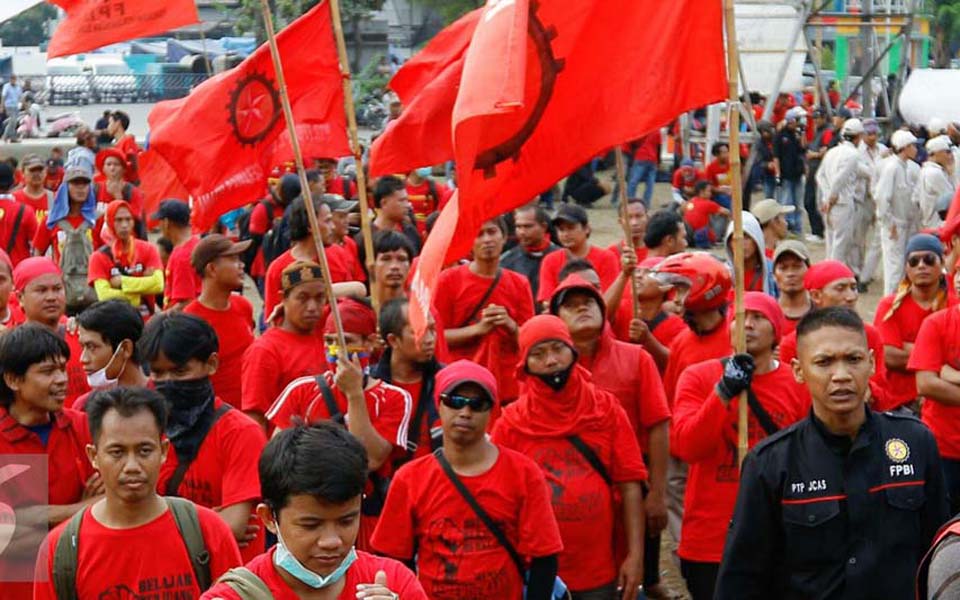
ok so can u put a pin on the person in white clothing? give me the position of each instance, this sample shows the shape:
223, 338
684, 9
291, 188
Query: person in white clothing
897, 214
936, 179
873, 150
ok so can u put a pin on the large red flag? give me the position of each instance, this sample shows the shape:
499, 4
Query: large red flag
90, 24
595, 73
223, 139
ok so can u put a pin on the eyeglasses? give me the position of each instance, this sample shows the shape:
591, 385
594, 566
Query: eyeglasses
457, 402
929, 259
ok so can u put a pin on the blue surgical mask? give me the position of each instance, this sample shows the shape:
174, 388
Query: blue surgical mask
285, 560
425, 172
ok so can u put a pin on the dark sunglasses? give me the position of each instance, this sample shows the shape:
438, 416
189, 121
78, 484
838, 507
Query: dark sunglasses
928, 259
457, 402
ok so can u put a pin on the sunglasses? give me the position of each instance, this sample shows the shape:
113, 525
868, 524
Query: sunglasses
457, 402
928, 259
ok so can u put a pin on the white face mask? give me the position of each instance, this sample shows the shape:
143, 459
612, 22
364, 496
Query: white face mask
98, 380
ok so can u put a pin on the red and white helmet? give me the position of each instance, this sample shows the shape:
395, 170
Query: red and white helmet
708, 279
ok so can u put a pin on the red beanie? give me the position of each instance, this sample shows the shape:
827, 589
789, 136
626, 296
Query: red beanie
30, 268
465, 371
356, 317
540, 329
768, 307
825, 272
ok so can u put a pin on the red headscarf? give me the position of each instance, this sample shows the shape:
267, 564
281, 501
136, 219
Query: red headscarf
124, 256
29, 269
542, 412
825, 272
356, 317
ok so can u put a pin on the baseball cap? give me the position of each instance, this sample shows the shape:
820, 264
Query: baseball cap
460, 372
338, 203
32, 160
795, 247
852, 127
941, 142
213, 247
74, 173
843, 112
571, 213
768, 209
871, 126
936, 126
6, 176
902, 138
177, 211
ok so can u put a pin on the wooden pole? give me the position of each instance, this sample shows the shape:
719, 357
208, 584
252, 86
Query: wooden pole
365, 229
304, 184
625, 223
736, 192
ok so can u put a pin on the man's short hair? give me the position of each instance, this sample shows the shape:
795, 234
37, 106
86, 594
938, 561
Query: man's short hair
127, 401
575, 265
540, 214
717, 147
322, 460
700, 185
298, 222
180, 336
386, 185
124, 118
313, 175
388, 240
23, 347
500, 223
394, 317
834, 316
114, 320
662, 224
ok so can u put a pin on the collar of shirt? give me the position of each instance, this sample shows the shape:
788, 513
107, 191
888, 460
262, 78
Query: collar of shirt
842, 445
14, 432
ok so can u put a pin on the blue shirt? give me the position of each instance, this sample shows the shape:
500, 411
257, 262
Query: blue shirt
11, 94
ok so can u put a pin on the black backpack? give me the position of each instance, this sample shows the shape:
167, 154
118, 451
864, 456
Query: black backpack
277, 240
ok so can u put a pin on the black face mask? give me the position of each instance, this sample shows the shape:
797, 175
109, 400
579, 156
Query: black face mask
557, 381
191, 412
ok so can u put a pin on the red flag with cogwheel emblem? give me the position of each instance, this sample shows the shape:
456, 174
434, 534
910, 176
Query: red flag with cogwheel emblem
223, 139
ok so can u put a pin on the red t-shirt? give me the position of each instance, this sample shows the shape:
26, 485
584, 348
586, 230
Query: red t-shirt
938, 344
39, 204
54, 177
146, 257
698, 211
343, 267
234, 328
704, 435
274, 360
604, 262
68, 470
261, 223
718, 174
582, 501
423, 203
426, 424
45, 236
224, 472
789, 325
181, 282
25, 231
462, 290
688, 349
399, 579
335, 185
149, 561
457, 556
648, 147
687, 177
134, 197
901, 328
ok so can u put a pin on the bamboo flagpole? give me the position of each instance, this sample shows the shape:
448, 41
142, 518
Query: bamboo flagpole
625, 223
736, 192
301, 171
365, 228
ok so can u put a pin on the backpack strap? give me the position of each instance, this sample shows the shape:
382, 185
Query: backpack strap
482, 514
65, 558
328, 400
16, 229
246, 584
173, 484
655, 322
188, 523
591, 457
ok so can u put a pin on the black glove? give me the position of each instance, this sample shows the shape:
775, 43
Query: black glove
737, 375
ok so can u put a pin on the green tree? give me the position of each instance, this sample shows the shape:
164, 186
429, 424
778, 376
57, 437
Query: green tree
29, 28
946, 30
451, 10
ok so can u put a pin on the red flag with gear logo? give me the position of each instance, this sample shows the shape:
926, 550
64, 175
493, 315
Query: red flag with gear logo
90, 24
545, 86
223, 139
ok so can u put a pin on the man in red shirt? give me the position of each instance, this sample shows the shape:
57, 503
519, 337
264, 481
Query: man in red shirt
718, 173
391, 264
132, 522
899, 316
229, 314
313, 507
666, 234
111, 183
684, 179
265, 215
629, 373
646, 157
426, 196
74, 207
790, 263
108, 332
40, 291
18, 222
33, 193
581, 438
704, 433
770, 215
33, 421
393, 208
428, 516
181, 283
483, 309
215, 446
637, 222
573, 233
289, 350
341, 186
117, 127
698, 213
54, 173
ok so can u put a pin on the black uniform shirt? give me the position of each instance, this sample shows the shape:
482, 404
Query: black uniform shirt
821, 516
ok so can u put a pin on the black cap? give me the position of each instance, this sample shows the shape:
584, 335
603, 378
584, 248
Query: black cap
6, 176
844, 113
819, 112
177, 211
571, 213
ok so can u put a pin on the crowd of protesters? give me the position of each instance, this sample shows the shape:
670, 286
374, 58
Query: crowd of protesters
568, 405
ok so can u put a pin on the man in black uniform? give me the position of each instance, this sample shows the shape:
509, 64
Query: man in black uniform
843, 504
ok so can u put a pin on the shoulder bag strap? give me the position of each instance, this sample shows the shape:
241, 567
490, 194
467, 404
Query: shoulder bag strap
657, 320
65, 559
188, 523
483, 300
591, 457
183, 466
246, 584
763, 417
16, 229
482, 514
329, 401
